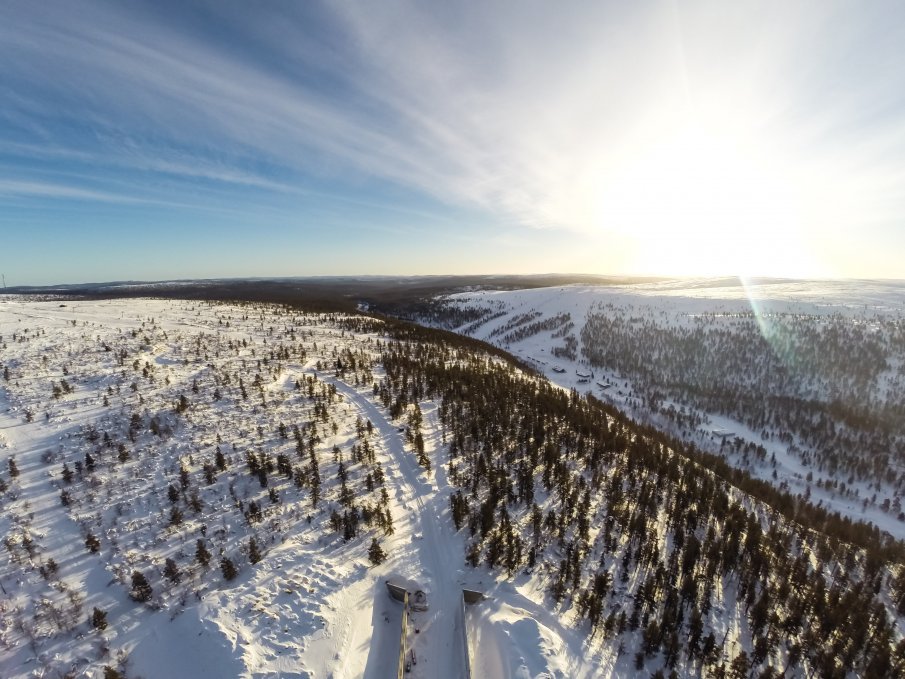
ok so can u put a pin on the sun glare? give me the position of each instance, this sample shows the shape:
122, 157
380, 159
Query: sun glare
701, 200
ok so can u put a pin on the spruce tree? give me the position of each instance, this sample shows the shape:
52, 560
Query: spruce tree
228, 568
254, 555
141, 589
92, 543
202, 556
98, 619
376, 555
171, 572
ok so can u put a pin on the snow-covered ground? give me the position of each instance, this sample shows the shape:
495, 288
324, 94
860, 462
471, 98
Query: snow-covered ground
536, 326
104, 379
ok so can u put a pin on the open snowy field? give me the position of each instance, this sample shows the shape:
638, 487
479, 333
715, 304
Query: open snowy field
133, 427
196, 489
807, 345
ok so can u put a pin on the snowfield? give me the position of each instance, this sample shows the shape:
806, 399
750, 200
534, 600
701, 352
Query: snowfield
313, 606
194, 489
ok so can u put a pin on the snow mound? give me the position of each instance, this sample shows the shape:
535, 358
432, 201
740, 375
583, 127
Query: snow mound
190, 646
507, 641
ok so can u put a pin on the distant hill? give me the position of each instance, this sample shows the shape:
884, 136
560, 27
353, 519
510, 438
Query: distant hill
382, 293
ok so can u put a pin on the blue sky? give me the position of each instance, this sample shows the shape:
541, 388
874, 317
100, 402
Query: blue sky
203, 139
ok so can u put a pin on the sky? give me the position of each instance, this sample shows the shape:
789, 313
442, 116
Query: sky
160, 140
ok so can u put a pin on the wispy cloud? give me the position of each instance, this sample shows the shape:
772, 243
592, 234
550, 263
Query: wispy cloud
60, 191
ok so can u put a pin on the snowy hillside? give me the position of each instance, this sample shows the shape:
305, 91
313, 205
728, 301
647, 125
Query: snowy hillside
214, 490
799, 383
165, 479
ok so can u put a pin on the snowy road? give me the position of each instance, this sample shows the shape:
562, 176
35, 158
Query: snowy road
436, 645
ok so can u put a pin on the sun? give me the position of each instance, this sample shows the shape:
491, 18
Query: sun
705, 199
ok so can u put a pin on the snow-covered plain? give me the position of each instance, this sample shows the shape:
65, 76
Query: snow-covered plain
538, 325
104, 380
131, 431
